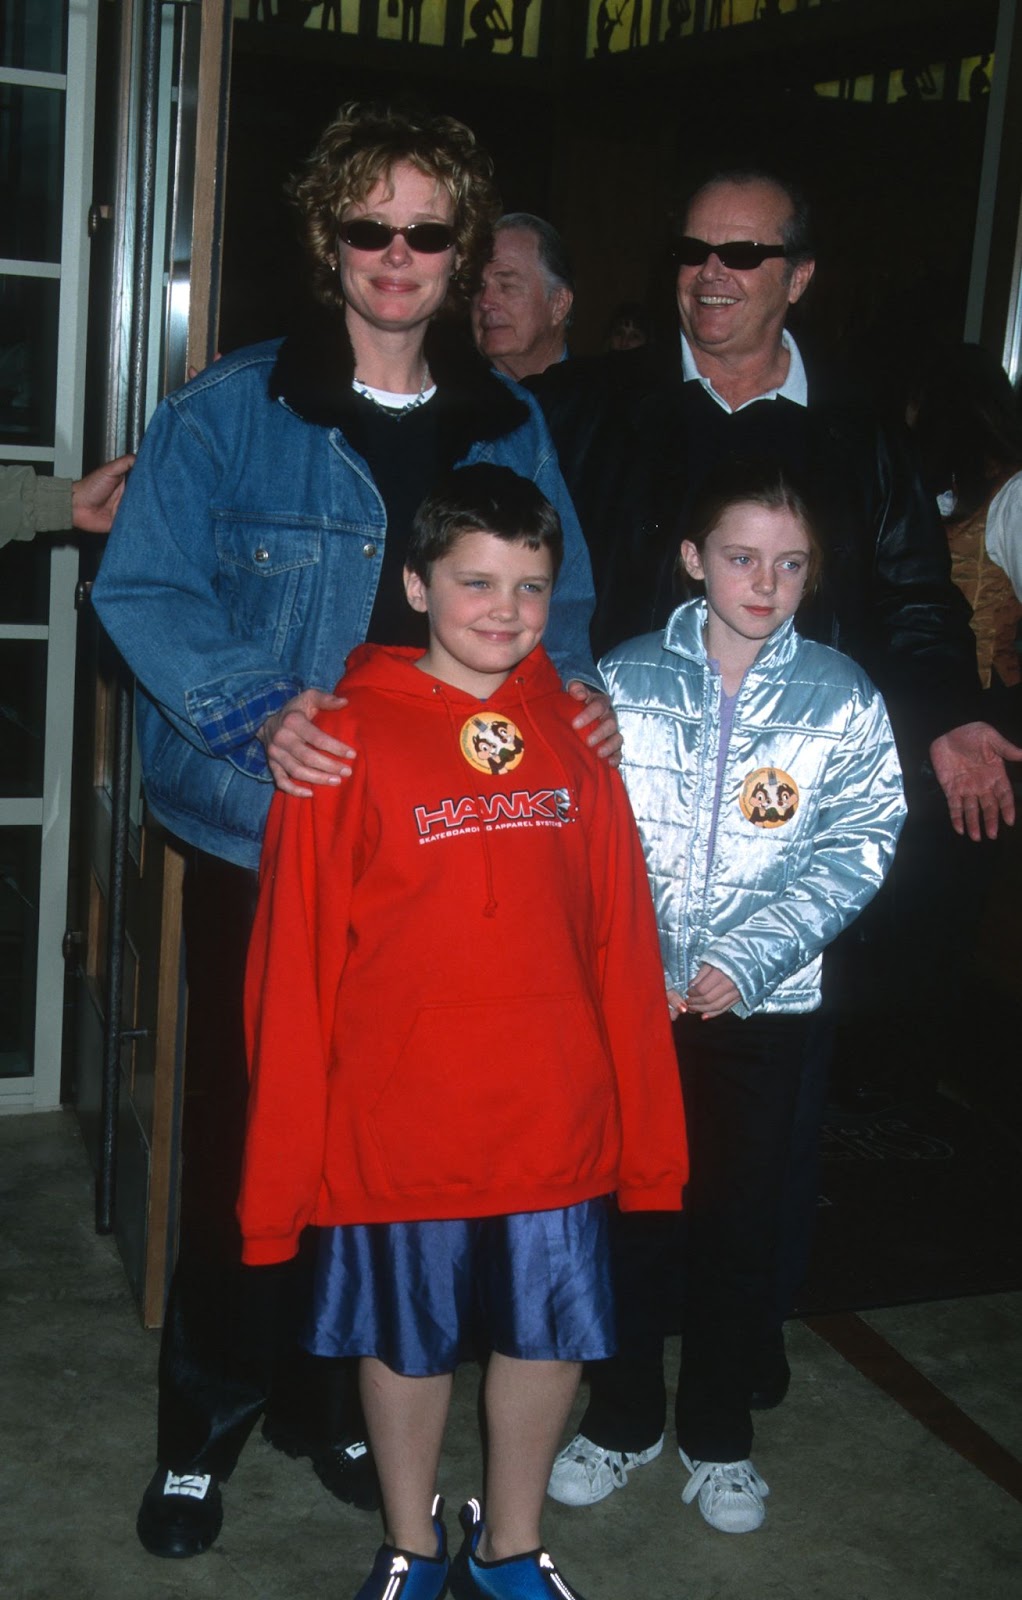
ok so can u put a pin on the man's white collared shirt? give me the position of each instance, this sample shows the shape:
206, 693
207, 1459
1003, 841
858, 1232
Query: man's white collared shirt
794, 388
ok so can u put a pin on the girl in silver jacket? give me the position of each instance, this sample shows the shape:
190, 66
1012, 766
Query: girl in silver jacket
763, 775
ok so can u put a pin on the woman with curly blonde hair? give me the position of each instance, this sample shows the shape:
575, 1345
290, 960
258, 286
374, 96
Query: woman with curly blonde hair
260, 539
358, 151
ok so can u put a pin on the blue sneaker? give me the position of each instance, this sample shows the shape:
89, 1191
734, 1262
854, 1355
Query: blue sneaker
532, 1576
401, 1575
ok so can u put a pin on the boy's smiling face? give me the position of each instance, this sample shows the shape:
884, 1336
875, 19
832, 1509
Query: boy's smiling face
487, 601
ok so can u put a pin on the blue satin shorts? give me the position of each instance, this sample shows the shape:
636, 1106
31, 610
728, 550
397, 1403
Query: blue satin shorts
422, 1296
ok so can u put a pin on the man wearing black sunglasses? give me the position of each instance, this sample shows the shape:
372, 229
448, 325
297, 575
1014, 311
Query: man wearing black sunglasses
737, 276
636, 432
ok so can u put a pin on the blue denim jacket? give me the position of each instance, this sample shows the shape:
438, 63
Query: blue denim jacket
242, 568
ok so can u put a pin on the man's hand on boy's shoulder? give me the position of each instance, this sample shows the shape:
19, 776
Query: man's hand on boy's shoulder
597, 721
297, 752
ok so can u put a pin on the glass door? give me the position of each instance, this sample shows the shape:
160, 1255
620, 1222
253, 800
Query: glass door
164, 94
47, 73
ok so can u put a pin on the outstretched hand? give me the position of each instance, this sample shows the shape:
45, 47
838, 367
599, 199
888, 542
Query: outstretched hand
969, 766
297, 752
598, 716
95, 498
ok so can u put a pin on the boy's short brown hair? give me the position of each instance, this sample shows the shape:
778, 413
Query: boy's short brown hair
483, 499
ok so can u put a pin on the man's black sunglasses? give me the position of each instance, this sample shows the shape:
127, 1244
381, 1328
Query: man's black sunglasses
738, 255
425, 238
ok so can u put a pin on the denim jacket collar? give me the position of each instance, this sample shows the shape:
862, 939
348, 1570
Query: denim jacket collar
315, 366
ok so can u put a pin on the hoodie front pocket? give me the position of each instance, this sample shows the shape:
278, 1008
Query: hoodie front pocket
504, 1093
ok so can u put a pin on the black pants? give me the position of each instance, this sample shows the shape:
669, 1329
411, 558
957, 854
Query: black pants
229, 1347
740, 1080
802, 1185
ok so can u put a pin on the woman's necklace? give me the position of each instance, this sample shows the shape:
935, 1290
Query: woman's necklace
389, 404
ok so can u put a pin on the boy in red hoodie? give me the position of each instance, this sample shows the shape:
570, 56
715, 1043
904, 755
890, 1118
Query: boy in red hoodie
459, 1041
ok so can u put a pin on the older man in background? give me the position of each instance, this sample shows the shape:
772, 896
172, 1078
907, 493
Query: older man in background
521, 313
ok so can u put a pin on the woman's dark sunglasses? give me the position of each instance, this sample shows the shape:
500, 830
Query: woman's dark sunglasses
738, 255
425, 238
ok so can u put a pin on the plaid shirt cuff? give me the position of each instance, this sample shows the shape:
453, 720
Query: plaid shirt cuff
229, 728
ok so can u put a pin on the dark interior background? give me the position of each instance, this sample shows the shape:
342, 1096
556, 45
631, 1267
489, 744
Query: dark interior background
606, 153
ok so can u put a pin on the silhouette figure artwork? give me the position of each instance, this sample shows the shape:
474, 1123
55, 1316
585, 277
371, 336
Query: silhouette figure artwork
607, 23
678, 13
489, 25
979, 80
917, 82
411, 21
519, 15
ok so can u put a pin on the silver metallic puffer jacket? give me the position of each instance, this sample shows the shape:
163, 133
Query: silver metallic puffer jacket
811, 804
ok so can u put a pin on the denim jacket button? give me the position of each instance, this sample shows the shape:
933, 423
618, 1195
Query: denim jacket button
369, 550
262, 554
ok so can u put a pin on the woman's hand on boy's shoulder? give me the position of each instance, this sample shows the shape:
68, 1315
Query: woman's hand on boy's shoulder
597, 721
297, 752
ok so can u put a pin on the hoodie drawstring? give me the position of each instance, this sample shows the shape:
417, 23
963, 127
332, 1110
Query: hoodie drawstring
490, 906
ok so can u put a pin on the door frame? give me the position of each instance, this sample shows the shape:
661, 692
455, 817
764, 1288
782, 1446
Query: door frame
174, 77
51, 811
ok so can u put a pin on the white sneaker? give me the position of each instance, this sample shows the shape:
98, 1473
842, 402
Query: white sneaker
731, 1493
584, 1472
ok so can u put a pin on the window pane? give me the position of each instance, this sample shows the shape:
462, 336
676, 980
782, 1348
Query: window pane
32, 34
31, 172
22, 717
29, 311
19, 938
25, 581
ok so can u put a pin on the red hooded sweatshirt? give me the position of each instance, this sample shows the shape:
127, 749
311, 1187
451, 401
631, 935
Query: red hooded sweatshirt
455, 1001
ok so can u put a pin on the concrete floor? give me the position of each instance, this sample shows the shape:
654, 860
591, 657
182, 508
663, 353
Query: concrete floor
867, 1503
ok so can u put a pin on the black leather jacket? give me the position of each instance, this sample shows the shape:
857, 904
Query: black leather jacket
634, 441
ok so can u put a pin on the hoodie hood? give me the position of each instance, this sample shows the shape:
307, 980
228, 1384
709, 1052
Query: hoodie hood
392, 669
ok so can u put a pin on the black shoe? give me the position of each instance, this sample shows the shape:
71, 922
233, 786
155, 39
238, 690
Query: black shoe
346, 1468
771, 1375
181, 1513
